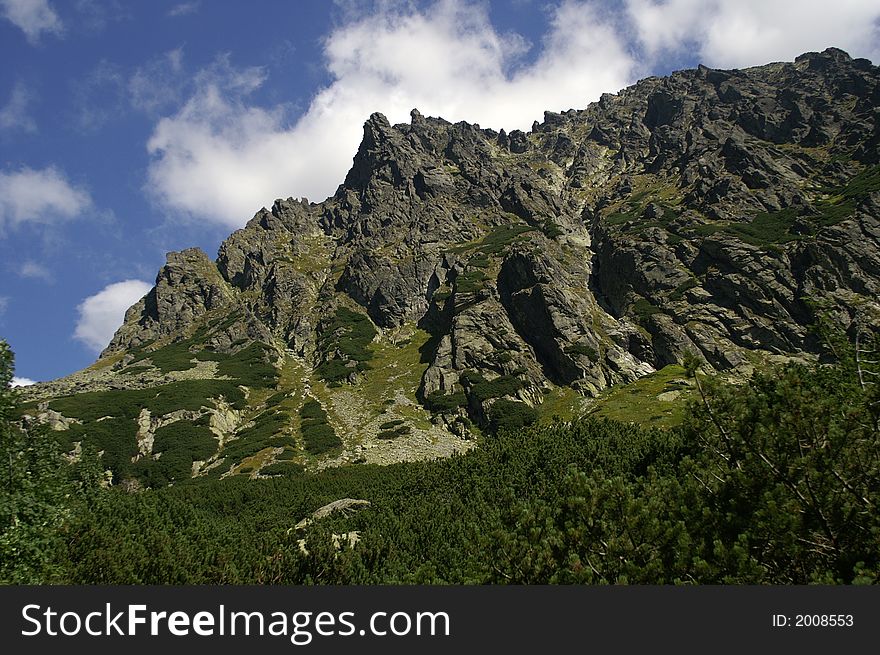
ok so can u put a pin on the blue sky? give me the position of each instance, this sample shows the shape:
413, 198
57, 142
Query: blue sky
128, 129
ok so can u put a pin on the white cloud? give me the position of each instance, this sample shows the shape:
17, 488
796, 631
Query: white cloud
220, 157
14, 115
738, 33
31, 269
33, 17
22, 382
4, 303
42, 196
101, 314
184, 8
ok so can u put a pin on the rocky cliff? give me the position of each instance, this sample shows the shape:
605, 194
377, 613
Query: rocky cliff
462, 278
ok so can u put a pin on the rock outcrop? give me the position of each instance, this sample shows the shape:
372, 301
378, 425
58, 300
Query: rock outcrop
711, 211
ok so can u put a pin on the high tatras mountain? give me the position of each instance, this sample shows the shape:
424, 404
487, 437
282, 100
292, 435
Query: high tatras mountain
463, 279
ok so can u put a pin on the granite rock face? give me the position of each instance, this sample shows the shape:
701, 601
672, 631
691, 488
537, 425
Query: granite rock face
710, 211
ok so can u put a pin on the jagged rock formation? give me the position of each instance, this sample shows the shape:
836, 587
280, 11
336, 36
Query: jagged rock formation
710, 211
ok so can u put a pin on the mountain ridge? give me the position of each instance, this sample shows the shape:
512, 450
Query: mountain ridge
709, 212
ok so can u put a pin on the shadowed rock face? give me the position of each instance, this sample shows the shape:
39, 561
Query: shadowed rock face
708, 211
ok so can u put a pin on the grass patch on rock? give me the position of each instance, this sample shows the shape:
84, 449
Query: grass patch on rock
656, 400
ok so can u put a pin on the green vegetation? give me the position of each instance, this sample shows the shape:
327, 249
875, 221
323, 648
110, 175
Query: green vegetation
250, 366
480, 260
276, 399
771, 229
39, 492
345, 342
135, 370
178, 445
657, 399
398, 363
683, 288
772, 482
108, 417
267, 426
179, 356
621, 217
595, 502
510, 415
501, 237
283, 468
482, 389
562, 404
471, 281
127, 403
318, 434
115, 437
268, 431
842, 201
551, 229
643, 309
582, 349
767, 228
174, 357
108, 421
650, 189
706, 229
394, 433
440, 402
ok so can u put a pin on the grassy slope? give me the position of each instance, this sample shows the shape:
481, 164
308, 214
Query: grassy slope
656, 400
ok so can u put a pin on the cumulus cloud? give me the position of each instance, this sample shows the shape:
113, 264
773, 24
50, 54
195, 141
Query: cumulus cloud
221, 157
41, 196
22, 382
738, 33
14, 114
33, 17
101, 314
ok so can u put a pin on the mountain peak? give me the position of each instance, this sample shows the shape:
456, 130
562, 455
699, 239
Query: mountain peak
461, 277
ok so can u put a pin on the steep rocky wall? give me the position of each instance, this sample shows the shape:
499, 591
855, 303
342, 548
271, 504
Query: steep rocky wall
709, 211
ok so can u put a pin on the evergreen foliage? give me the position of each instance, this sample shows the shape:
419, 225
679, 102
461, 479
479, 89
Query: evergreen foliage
772, 482
482, 389
344, 341
108, 418
393, 433
438, 401
471, 281
510, 415
38, 492
318, 434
